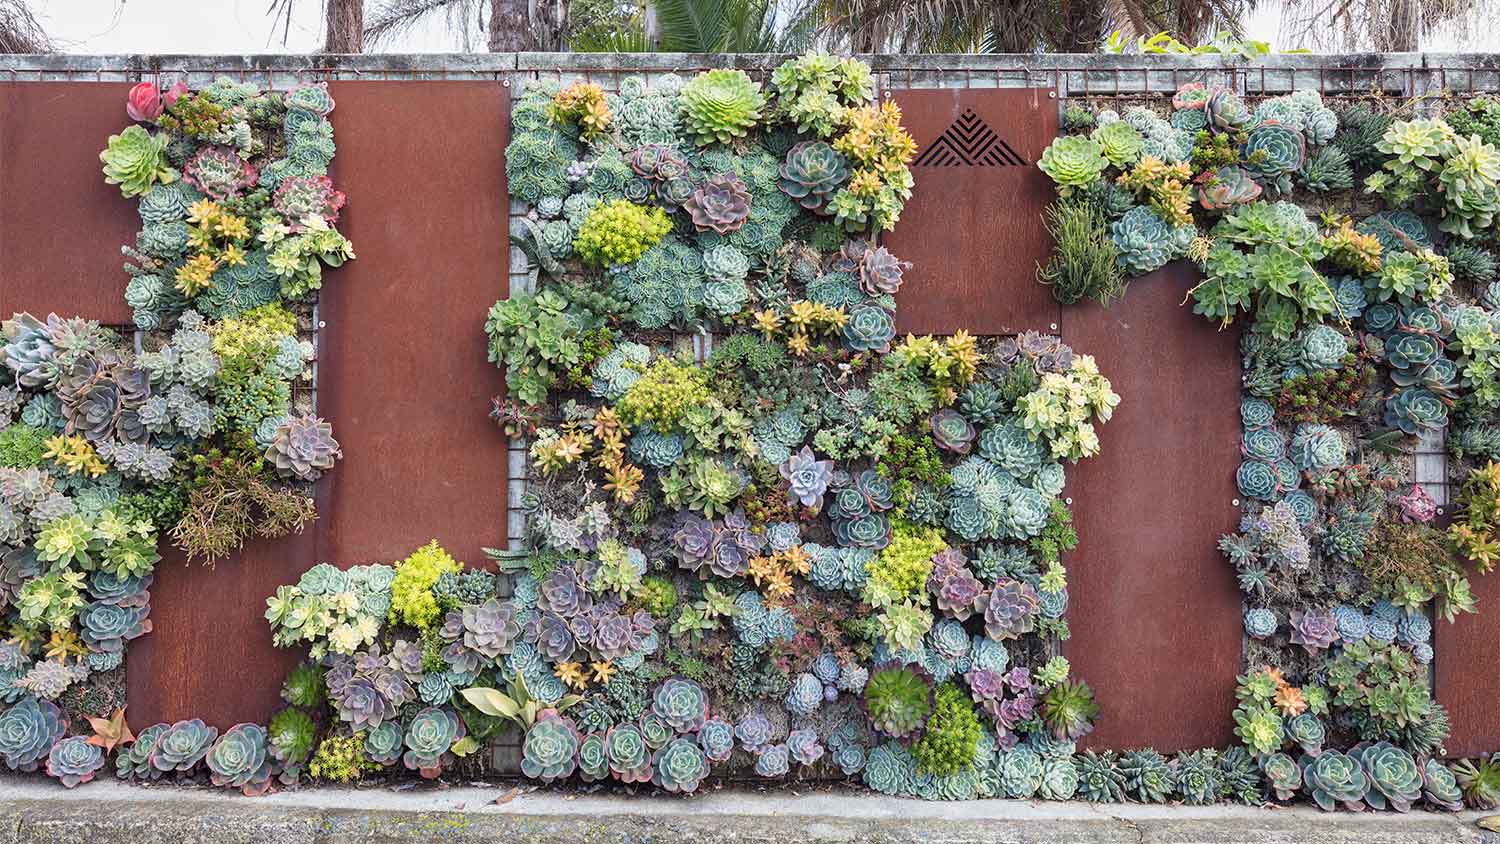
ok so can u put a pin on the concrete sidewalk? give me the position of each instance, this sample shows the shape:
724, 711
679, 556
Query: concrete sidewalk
35, 811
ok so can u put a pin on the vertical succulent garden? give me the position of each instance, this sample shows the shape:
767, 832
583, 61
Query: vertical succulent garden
186, 430
1354, 250
808, 548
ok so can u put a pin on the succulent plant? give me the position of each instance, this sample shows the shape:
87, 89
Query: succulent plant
753, 732
303, 447
721, 105
1307, 730
812, 173
1099, 777
1333, 779
807, 478
1147, 776
1021, 772
135, 160
629, 757
239, 759
1146, 242
383, 744
1073, 161
682, 704
1314, 629
720, 204
1119, 142
1010, 610
219, 172
489, 628
805, 695
773, 761
1069, 710
1317, 447
679, 767
1440, 787
1229, 186
1226, 112
1199, 781
897, 699
1273, 152
433, 732
1414, 409
1395, 778
183, 745
870, 328
1283, 774
951, 431
716, 737
73, 761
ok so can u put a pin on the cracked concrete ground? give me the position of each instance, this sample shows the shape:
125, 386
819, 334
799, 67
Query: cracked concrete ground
35, 811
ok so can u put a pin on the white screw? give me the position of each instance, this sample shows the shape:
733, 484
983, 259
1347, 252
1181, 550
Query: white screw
1235, 502
1054, 326
1068, 501
322, 324
505, 83
1051, 95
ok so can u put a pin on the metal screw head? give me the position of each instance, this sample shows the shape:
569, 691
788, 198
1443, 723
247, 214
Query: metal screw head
505, 83
1235, 502
1051, 95
1068, 501
322, 324
1054, 326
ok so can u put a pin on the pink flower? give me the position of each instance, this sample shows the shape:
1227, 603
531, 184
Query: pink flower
143, 104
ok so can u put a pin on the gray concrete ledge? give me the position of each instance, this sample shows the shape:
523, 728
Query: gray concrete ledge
41, 812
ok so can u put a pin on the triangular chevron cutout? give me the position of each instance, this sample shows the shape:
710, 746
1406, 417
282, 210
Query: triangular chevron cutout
969, 142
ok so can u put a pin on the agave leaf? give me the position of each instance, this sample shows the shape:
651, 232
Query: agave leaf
491, 702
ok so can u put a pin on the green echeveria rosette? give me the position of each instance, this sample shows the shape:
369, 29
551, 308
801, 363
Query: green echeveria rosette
898, 699
721, 105
682, 704
383, 744
134, 762
135, 160
431, 735
1395, 779
593, 761
73, 761
1283, 774
1146, 242
1073, 161
550, 750
1440, 787
628, 756
680, 766
239, 760
183, 745
1414, 409
1273, 151
1119, 142
1334, 779
870, 329
812, 173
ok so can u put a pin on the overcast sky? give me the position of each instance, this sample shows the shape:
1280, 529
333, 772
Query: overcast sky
244, 26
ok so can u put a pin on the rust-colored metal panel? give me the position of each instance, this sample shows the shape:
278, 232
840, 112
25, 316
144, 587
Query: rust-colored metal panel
209, 653
974, 225
61, 226
1154, 608
403, 374
1465, 677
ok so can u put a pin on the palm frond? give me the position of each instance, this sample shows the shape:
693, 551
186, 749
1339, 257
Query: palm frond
621, 41
394, 18
20, 31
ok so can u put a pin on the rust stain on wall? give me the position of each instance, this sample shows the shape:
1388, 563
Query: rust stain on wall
403, 374
974, 226
61, 226
1154, 609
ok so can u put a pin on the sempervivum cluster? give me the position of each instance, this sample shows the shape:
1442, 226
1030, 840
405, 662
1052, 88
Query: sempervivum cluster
304, 447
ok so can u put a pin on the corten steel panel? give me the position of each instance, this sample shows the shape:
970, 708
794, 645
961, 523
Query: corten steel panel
61, 226
209, 653
403, 375
973, 227
1464, 665
1154, 609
